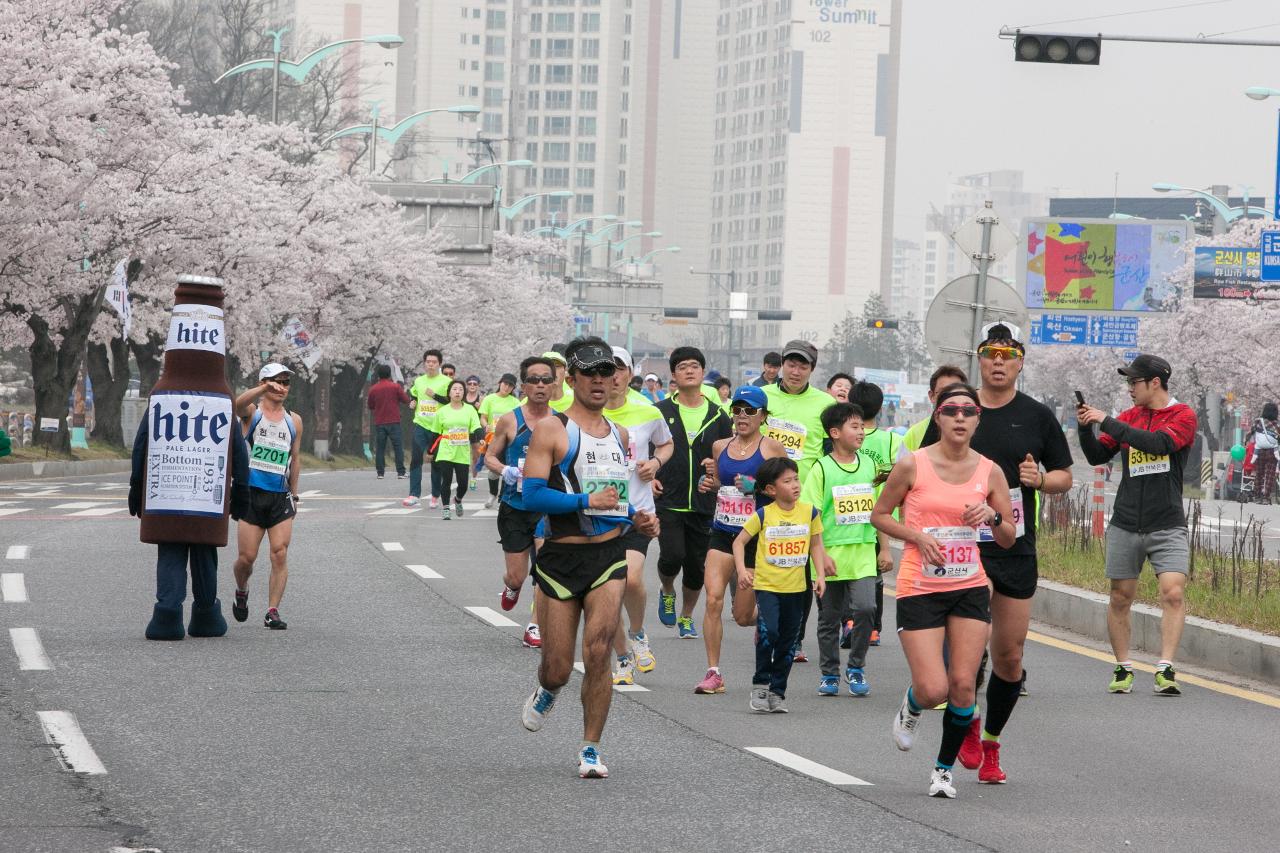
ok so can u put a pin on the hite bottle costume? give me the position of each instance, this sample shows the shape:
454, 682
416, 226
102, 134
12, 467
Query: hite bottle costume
190, 464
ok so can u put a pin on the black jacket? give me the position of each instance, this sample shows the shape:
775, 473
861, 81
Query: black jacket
679, 477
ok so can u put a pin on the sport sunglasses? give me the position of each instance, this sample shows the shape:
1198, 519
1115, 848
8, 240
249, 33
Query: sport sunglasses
991, 351
951, 410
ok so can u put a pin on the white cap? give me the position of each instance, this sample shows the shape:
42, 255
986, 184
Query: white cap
275, 368
620, 354
652, 376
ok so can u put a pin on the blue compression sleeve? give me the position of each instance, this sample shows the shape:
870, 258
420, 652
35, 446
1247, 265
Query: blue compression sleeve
540, 497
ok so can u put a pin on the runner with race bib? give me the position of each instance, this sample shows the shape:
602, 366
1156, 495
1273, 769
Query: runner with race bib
946, 490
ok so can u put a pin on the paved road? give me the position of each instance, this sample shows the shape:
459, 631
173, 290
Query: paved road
387, 718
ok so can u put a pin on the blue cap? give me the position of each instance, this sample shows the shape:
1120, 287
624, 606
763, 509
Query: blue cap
751, 395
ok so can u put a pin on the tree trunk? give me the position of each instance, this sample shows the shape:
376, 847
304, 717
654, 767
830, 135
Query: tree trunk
54, 366
150, 358
348, 405
109, 390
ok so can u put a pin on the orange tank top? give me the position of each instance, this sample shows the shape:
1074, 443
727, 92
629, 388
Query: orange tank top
937, 507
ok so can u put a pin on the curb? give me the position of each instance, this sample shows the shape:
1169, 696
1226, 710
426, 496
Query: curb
1213, 645
63, 468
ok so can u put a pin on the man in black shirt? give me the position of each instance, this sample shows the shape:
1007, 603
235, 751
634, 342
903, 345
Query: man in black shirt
1020, 435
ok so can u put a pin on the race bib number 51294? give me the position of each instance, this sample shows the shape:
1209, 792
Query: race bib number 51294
789, 434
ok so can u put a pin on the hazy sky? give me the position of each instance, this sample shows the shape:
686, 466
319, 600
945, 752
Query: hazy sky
1152, 112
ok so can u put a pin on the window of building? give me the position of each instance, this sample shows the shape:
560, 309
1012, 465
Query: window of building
585, 204
495, 45
558, 99
492, 123
590, 22
560, 22
555, 152
496, 19
532, 98
535, 74
560, 74
590, 75
535, 22
586, 152
587, 100
535, 48
555, 176
586, 125
586, 178
555, 126
492, 97
531, 151
560, 48
531, 128
590, 48
494, 72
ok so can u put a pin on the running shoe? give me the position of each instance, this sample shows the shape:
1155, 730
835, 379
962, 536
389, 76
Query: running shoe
624, 672
775, 704
971, 747
829, 685
759, 699
457, 509
435, 502
589, 764
940, 784
711, 684
798, 656
488, 503
273, 621
509, 597
645, 661
240, 607
688, 631
410, 501
667, 608
1022, 688
537, 707
473, 484
532, 639
444, 513
1165, 683
380, 477
875, 638
858, 682
402, 476
846, 634
904, 726
990, 773
1121, 681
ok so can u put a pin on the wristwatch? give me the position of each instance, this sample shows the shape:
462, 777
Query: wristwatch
996, 520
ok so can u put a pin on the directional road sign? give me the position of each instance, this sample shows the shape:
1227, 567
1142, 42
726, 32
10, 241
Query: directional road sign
1060, 329
1271, 255
1113, 331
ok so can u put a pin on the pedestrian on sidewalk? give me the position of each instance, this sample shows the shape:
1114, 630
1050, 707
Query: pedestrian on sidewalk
385, 399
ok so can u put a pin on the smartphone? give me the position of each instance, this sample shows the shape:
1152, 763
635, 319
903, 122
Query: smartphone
1079, 399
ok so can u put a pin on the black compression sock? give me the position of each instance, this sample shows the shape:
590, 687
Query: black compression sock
955, 725
1001, 697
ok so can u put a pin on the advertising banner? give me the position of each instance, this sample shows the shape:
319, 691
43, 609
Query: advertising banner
188, 452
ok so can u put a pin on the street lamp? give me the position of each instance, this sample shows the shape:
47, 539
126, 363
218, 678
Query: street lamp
300, 69
1261, 93
644, 259
1228, 214
393, 133
512, 211
598, 237
473, 177
574, 226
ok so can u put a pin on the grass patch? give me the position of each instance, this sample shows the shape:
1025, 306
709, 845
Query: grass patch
96, 450
334, 463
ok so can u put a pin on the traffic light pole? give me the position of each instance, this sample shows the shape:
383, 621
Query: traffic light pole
987, 220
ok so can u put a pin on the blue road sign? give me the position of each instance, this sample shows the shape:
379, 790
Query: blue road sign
1271, 255
1060, 329
1110, 331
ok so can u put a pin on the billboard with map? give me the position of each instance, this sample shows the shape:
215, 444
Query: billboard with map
1101, 264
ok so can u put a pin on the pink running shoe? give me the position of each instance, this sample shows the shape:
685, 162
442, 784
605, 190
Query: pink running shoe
713, 683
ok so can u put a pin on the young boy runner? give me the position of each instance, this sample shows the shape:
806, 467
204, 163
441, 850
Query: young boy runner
882, 447
841, 485
789, 533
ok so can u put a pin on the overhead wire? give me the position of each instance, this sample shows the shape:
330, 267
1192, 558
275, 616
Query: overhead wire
1133, 12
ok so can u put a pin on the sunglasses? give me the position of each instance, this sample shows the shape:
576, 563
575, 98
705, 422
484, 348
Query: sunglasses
599, 371
1007, 353
952, 410
744, 410
539, 380
284, 382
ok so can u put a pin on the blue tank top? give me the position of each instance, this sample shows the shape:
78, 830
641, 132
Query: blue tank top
516, 451
730, 507
270, 447
590, 464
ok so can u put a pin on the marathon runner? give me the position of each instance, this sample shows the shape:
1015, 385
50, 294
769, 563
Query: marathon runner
649, 447
1019, 434
492, 408
883, 448
274, 435
733, 479
839, 385
769, 370
562, 393
1147, 519
696, 423
946, 375
505, 457
458, 424
946, 490
428, 392
576, 473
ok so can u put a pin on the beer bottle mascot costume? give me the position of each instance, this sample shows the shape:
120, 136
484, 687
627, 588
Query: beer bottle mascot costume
190, 464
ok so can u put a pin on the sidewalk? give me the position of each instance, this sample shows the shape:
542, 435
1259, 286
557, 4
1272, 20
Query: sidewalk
62, 468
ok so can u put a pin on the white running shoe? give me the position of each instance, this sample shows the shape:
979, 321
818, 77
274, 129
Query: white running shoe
489, 501
624, 671
589, 764
940, 784
410, 501
759, 699
904, 727
537, 708
642, 654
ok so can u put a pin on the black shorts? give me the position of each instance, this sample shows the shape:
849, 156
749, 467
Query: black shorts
634, 540
515, 528
919, 612
1012, 575
722, 541
267, 509
567, 571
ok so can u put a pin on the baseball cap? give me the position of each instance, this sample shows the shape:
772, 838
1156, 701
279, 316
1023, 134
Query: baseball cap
751, 395
588, 356
273, 369
1147, 367
554, 356
620, 354
473, 378
1002, 332
652, 376
509, 378
804, 349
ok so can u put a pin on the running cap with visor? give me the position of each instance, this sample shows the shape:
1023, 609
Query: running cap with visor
589, 356
272, 370
804, 349
1147, 367
651, 377
751, 395
620, 354
509, 379
554, 356
1000, 332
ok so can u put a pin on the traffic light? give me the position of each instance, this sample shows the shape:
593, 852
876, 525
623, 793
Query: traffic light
1057, 49
680, 312
765, 314
882, 324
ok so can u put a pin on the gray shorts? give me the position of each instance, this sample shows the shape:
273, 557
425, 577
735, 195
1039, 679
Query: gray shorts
1168, 550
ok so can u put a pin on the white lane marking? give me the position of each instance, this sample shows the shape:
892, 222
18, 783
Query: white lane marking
9, 503
311, 473
485, 513
41, 494
63, 732
80, 505
405, 510
18, 552
493, 617
11, 510
306, 509
579, 667
110, 486
630, 688
803, 765
26, 643
100, 511
378, 505
425, 572
392, 546
313, 493
13, 588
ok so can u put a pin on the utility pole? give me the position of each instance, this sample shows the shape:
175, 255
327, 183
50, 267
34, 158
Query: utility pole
984, 257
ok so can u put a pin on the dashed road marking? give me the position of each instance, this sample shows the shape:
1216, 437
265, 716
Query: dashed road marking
392, 546
803, 765
630, 688
100, 511
63, 732
12, 510
13, 589
378, 505
18, 552
80, 505
398, 510
313, 493
26, 644
493, 617
425, 572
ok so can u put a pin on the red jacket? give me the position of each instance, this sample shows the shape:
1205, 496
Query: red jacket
1153, 439
385, 398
